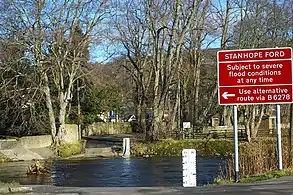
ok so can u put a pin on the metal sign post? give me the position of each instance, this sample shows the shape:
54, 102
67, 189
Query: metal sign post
235, 128
279, 137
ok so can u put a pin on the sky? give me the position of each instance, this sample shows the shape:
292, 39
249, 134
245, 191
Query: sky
104, 52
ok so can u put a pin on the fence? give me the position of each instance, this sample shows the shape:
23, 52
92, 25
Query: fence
215, 133
226, 133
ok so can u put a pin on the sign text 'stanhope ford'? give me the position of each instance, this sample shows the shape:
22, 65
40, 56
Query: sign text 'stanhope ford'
257, 76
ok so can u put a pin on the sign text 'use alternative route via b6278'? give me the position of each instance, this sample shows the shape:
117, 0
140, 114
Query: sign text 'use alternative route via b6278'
255, 76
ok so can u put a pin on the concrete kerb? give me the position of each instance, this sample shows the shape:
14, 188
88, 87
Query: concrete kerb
16, 189
4, 190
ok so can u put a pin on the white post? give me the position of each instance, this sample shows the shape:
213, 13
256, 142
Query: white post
189, 167
235, 128
279, 137
126, 147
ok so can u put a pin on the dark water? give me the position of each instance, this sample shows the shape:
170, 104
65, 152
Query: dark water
117, 172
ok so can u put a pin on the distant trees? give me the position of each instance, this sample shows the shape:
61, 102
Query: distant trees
165, 68
266, 23
55, 36
174, 74
154, 37
101, 92
20, 108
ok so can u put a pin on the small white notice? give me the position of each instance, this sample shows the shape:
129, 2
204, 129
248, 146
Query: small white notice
189, 167
186, 125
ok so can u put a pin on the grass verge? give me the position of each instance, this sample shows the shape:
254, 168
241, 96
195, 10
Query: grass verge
3, 158
170, 147
67, 150
258, 177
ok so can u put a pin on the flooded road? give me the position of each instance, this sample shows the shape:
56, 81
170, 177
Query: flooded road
114, 172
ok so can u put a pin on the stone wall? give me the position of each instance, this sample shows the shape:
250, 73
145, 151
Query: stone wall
29, 142
71, 133
108, 129
6, 144
40, 141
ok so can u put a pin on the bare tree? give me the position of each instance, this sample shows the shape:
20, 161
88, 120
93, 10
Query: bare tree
133, 35
153, 34
47, 34
168, 22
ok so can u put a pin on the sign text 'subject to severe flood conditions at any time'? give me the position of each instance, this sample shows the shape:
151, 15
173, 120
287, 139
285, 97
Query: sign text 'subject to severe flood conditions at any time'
255, 76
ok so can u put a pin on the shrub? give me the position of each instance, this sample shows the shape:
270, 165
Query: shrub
257, 177
256, 158
170, 147
66, 150
3, 158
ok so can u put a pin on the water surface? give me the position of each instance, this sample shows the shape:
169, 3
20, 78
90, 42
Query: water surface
114, 172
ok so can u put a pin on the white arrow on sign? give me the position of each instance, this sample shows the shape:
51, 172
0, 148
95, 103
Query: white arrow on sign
226, 95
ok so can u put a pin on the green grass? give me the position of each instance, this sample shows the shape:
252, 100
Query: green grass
258, 177
3, 158
67, 150
170, 147
8, 137
268, 175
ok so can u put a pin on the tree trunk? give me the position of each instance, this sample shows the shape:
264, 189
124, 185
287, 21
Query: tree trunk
141, 118
173, 114
61, 120
158, 127
227, 114
196, 85
49, 105
252, 123
248, 134
247, 123
258, 122
253, 130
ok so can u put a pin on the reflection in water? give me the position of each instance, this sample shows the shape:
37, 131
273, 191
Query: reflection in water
126, 167
115, 172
